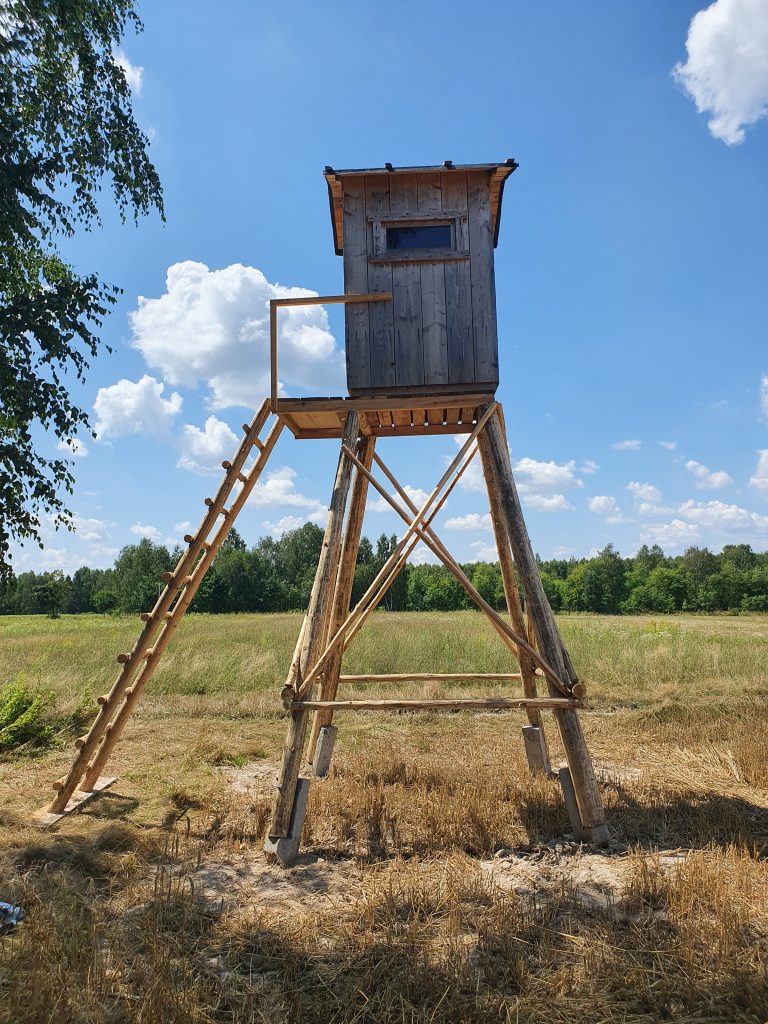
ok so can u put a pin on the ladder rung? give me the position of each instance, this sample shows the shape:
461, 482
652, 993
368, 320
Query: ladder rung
226, 512
185, 581
123, 658
189, 538
102, 699
208, 502
259, 444
80, 741
246, 428
146, 616
207, 546
226, 464
242, 478
167, 577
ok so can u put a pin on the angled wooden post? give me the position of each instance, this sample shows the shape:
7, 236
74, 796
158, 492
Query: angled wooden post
318, 615
344, 581
547, 634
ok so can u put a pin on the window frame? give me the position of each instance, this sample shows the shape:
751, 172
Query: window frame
377, 239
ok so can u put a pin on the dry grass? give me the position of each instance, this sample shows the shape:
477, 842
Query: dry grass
437, 885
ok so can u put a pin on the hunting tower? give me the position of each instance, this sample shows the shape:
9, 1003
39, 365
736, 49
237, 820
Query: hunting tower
422, 358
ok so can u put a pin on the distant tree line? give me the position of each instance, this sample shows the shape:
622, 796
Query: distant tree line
277, 575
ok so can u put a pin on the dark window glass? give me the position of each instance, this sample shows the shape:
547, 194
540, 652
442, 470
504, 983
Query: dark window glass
419, 236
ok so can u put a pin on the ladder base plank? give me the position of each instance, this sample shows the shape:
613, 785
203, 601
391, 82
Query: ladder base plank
79, 798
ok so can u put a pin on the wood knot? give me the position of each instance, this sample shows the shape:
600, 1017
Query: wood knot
287, 696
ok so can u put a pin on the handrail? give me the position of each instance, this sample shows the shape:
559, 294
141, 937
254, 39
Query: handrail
309, 300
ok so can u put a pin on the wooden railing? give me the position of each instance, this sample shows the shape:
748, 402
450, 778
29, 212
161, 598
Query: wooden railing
309, 300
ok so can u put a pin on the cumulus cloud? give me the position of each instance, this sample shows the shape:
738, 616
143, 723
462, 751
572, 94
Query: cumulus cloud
706, 480
764, 397
548, 502
726, 73
417, 495
212, 327
134, 75
91, 529
627, 446
279, 488
759, 479
730, 518
644, 492
484, 552
589, 467
672, 536
471, 521
135, 407
202, 451
669, 445
74, 447
533, 477
284, 525
146, 532
606, 505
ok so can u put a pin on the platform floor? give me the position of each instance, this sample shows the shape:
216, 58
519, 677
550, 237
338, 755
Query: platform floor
384, 417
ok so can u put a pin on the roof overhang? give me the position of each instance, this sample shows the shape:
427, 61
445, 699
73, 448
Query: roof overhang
498, 174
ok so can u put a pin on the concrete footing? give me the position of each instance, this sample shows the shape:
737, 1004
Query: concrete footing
286, 848
326, 741
536, 750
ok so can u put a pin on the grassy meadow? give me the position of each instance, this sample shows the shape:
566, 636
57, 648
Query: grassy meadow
439, 881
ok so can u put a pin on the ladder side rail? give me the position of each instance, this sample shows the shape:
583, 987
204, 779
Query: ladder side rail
162, 618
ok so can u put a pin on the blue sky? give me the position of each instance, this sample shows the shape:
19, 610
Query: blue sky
631, 268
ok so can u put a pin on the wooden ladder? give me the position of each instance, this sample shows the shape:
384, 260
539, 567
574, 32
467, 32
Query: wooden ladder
84, 779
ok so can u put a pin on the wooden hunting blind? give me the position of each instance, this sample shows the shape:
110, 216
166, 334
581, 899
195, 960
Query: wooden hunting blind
422, 358
427, 235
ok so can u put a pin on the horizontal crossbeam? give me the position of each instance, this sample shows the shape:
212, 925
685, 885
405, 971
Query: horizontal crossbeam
433, 677
448, 704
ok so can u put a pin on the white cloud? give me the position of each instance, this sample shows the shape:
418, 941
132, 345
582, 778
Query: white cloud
759, 479
73, 447
483, 552
422, 555
202, 451
669, 445
416, 494
606, 505
603, 505
147, 532
212, 326
652, 508
278, 488
135, 407
726, 73
134, 75
91, 529
730, 518
548, 502
532, 476
764, 397
284, 525
471, 521
672, 536
589, 467
706, 480
644, 492
627, 446
183, 527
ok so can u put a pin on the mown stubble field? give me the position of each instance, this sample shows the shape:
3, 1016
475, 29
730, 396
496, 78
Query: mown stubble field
439, 881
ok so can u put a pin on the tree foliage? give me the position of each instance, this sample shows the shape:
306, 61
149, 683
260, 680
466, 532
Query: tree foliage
276, 576
66, 130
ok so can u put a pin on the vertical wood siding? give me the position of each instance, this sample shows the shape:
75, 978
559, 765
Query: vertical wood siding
406, 291
381, 314
433, 309
356, 281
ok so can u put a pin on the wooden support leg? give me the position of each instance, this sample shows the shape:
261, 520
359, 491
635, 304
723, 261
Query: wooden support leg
318, 618
329, 683
550, 643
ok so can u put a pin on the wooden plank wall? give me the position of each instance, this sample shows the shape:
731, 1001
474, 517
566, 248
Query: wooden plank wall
440, 328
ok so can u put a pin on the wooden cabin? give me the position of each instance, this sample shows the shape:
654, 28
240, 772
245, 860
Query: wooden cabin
427, 235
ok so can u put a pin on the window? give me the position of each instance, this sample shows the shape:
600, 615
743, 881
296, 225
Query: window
419, 236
